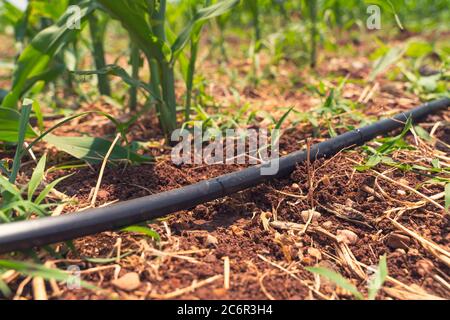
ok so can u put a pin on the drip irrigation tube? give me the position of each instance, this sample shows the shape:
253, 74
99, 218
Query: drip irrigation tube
38, 232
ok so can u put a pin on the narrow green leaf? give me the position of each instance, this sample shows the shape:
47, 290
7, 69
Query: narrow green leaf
133, 15
371, 162
49, 188
36, 270
38, 112
4, 289
201, 15
9, 126
278, 125
37, 55
447, 196
107, 260
37, 177
23, 125
143, 230
9, 187
92, 150
337, 279
422, 133
116, 70
387, 60
378, 278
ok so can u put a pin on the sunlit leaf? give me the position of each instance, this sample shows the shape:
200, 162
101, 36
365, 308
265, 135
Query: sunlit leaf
337, 279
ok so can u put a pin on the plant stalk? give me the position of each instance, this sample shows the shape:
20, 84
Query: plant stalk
312, 4
97, 30
135, 60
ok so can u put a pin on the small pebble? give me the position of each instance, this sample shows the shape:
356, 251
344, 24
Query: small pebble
326, 181
211, 240
313, 252
305, 215
128, 282
347, 236
327, 224
397, 240
349, 203
424, 267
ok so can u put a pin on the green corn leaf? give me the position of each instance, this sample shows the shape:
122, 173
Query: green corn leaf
43, 136
329, 101
50, 9
92, 150
31, 208
422, 133
39, 116
115, 70
36, 83
390, 144
387, 60
133, 15
37, 55
23, 125
9, 126
417, 49
44, 193
145, 231
378, 278
337, 279
107, 260
202, 15
37, 177
7, 186
4, 218
278, 125
371, 162
436, 163
3, 94
10, 12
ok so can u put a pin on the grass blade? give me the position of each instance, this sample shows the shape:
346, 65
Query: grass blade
378, 279
337, 279
37, 177
145, 231
447, 196
23, 124
36, 270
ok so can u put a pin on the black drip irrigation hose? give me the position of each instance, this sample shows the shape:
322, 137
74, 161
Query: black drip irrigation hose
24, 235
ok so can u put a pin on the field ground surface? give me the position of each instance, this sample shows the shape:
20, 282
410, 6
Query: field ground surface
256, 244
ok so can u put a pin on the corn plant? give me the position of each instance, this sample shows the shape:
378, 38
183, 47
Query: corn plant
15, 128
16, 207
135, 61
35, 62
97, 28
146, 23
312, 6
